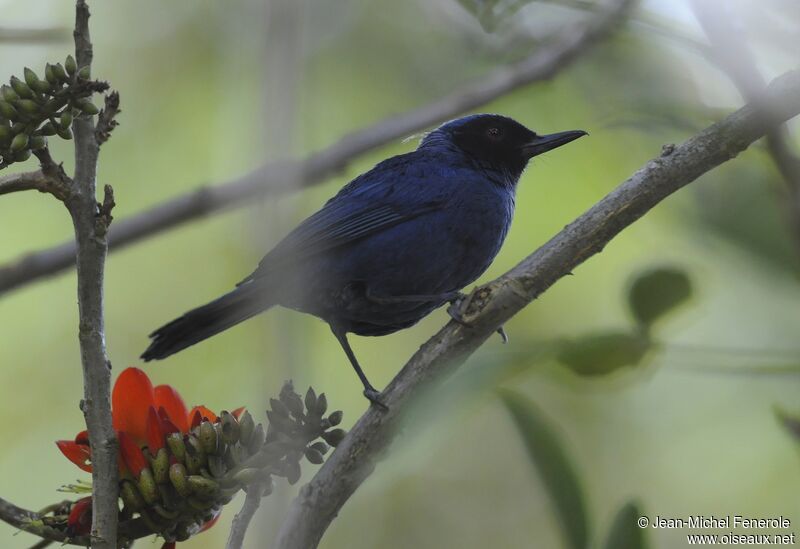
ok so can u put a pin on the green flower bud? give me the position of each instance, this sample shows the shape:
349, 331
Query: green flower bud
314, 456
71, 65
175, 443
320, 447
278, 407
147, 486
65, 134
335, 418
37, 142
246, 427
50, 74
47, 129
5, 135
237, 454
257, 439
28, 106
131, 496
21, 88
334, 437
293, 402
292, 471
85, 73
216, 466
19, 142
322, 405
179, 479
160, 465
230, 427
202, 487
8, 111
60, 73
195, 457
30, 77
209, 439
22, 156
19, 127
66, 120
86, 106
311, 399
8, 93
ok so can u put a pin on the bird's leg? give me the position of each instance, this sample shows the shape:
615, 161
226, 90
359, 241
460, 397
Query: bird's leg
455, 310
414, 298
372, 394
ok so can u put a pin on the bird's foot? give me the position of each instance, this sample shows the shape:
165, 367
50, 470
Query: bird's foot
374, 396
456, 308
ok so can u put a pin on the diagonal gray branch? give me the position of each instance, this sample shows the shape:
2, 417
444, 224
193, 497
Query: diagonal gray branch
490, 306
283, 177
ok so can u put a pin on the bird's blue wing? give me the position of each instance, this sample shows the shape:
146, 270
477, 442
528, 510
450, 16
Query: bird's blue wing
367, 205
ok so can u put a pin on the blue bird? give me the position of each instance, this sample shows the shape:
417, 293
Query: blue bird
394, 244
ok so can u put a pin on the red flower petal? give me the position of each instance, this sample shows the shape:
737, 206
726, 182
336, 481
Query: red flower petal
168, 545
205, 413
172, 402
238, 412
131, 454
79, 522
211, 522
167, 427
155, 435
77, 453
197, 418
82, 438
132, 396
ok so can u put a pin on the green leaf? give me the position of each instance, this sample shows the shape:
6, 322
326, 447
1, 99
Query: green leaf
557, 472
604, 353
656, 292
625, 532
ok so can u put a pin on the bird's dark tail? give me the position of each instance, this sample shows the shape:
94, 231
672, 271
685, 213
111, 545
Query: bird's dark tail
203, 322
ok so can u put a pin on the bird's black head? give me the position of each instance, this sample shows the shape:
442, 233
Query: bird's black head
499, 141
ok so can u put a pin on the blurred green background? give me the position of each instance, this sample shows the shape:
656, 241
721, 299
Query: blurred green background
211, 90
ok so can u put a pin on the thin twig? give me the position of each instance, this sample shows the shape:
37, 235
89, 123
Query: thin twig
279, 178
242, 519
730, 50
31, 522
90, 236
32, 181
490, 306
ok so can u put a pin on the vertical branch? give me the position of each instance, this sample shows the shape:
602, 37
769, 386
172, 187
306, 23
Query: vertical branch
90, 222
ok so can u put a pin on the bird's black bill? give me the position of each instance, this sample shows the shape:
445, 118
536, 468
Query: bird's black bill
544, 143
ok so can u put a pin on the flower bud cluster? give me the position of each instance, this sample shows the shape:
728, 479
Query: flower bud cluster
33, 108
179, 487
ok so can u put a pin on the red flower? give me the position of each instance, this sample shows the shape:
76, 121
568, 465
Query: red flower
79, 522
143, 416
146, 414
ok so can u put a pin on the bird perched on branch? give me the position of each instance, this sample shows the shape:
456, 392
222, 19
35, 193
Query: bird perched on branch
394, 244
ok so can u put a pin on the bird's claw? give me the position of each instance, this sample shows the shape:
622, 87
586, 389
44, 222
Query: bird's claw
374, 396
503, 335
455, 308
455, 311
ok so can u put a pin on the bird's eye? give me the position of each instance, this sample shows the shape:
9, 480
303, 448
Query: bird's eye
494, 133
